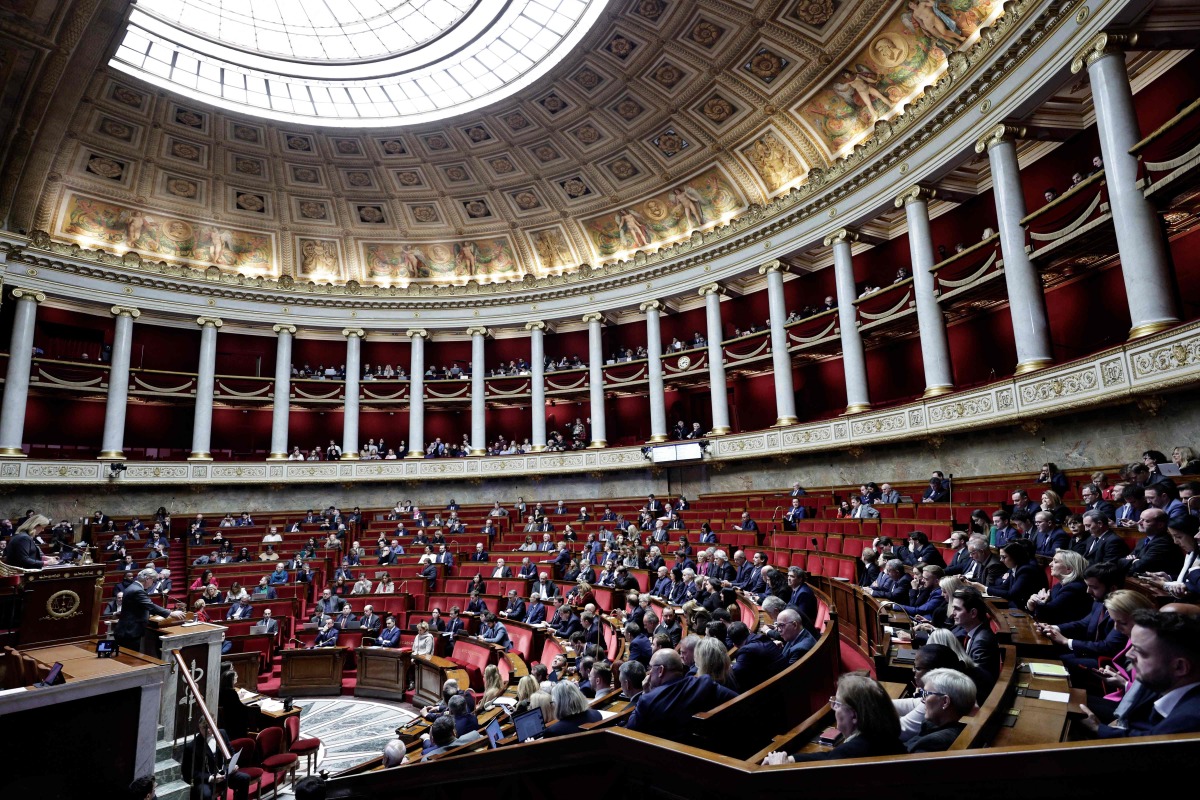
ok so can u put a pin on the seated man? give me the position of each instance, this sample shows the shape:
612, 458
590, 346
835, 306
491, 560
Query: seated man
949, 696
672, 697
970, 613
757, 657
328, 636
892, 583
390, 635
394, 754
796, 640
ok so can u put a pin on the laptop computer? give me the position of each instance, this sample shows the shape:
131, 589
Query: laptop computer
492, 731
258, 630
529, 725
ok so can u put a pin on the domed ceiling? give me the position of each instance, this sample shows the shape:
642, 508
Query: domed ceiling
669, 117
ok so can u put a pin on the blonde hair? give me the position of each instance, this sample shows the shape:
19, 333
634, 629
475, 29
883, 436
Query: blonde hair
951, 584
1055, 500
492, 685
540, 699
945, 637
712, 659
1126, 601
526, 687
1076, 564
33, 522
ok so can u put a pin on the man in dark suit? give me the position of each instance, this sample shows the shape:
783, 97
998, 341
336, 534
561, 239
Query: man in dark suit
535, 612
269, 624
1021, 502
937, 491
640, 648
794, 514
328, 604
1157, 552
515, 609
528, 570
346, 619
666, 708
962, 557
240, 610
545, 587
1094, 637
444, 556
429, 572
801, 595
207, 767
970, 614
370, 621
389, 636
1048, 538
796, 640
136, 609
1093, 500
1165, 651
455, 624
757, 657
984, 568
501, 571
328, 636
1104, 544
562, 560
479, 555
568, 622
593, 633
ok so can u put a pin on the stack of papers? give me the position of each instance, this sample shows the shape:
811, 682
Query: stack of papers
1047, 670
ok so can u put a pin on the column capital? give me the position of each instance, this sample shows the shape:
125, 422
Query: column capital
349, 332
478, 330
128, 311
712, 288
414, 333
289, 329
1101, 45
847, 235
652, 305
28, 294
537, 325
913, 194
594, 316
774, 265
997, 135
213, 321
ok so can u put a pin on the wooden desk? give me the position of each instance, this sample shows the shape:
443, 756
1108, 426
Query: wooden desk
382, 672
1039, 721
431, 673
1017, 626
247, 666
312, 672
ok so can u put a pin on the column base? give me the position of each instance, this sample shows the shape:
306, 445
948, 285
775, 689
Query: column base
196, 456
278, 457
784, 422
537, 448
856, 408
657, 438
475, 452
1138, 331
724, 430
12, 452
1032, 366
415, 454
936, 391
599, 444
111, 455
350, 457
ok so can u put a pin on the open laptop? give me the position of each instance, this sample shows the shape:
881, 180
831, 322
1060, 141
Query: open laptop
529, 725
492, 731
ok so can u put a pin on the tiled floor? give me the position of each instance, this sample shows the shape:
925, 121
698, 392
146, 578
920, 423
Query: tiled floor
351, 730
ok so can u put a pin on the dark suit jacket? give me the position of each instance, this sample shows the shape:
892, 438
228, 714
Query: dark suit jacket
1109, 547
667, 710
959, 563
858, 747
793, 650
804, 599
1184, 718
1104, 507
985, 652
757, 659
1156, 554
1048, 544
373, 624
989, 571
935, 740
389, 637
569, 725
1094, 635
640, 649
1018, 585
516, 609
327, 638
535, 613
1068, 601
23, 552
135, 613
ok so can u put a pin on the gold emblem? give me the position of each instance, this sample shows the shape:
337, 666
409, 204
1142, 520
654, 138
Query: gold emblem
63, 605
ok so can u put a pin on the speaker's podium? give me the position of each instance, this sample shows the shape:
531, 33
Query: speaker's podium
52, 605
199, 643
312, 673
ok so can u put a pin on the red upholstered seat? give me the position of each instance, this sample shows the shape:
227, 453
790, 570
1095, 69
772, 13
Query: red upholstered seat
301, 747
272, 758
248, 764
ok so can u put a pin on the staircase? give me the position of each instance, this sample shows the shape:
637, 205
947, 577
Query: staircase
167, 771
179, 574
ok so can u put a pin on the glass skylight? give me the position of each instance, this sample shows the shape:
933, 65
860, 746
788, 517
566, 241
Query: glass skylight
351, 63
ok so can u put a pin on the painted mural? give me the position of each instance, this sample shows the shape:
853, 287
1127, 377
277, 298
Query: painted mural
694, 203
491, 259
908, 53
157, 235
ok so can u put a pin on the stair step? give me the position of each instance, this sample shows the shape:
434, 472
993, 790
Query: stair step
168, 770
175, 790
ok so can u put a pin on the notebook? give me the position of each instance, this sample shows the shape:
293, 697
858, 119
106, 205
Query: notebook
1048, 670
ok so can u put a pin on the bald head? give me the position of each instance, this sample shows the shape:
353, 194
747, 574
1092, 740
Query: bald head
1187, 609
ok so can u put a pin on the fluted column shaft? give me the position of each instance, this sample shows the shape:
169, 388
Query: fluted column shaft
935, 345
537, 384
416, 395
1145, 265
112, 443
478, 392
781, 359
1026, 299
281, 408
718, 393
654, 371
16, 381
350, 442
206, 374
854, 359
596, 378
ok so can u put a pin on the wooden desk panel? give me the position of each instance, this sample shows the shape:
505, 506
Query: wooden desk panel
382, 672
312, 672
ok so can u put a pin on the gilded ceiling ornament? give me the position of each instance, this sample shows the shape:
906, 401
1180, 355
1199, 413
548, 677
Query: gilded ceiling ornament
245, 133
128, 97
813, 12
668, 75
106, 167
182, 188
621, 47
299, 143
717, 109
706, 34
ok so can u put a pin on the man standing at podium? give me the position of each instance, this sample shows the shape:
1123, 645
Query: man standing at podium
136, 608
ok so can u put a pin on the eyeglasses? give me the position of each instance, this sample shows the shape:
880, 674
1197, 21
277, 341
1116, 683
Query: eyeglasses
927, 693
835, 704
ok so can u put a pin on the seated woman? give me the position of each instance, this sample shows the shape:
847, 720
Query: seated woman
1185, 585
1185, 459
581, 595
912, 709
201, 615
1080, 538
864, 716
386, 586
236, 592
868, 567
1022, 580
1125, 692
571, 708
1052, 502
427, 557
243, 556
205, 579
478, 585
423, 644
529, 546
341, 588
1068, 599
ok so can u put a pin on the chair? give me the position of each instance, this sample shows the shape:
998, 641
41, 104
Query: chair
269, 751
301, 747
246, 764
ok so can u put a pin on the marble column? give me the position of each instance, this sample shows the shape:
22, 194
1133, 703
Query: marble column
205, 388
935, 345
595, 321
1026, 298
16, 381
112, 443
854, 359
416, 394
478, 391
281, 403
654, 369
537, 384
350, 442
1145, 264
781, 359
717, 390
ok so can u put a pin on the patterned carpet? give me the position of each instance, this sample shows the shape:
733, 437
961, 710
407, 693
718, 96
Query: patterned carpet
351, 730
